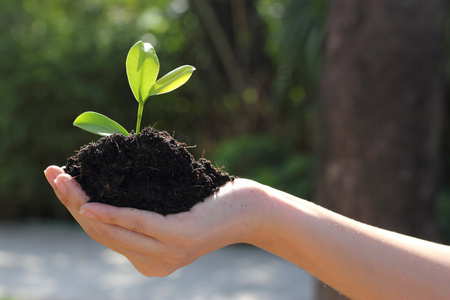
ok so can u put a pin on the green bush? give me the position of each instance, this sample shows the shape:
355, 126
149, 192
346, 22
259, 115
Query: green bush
264, 158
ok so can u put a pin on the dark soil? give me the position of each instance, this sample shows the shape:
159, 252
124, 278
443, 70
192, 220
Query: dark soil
149, 171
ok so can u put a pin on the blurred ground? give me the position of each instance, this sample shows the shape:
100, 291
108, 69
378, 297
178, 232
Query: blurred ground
58, 261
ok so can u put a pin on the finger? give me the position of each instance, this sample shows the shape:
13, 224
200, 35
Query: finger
148, 256
143, 222
71, 190
51, 173
166, 253
108, 236
63, 183
71, 195
114, 234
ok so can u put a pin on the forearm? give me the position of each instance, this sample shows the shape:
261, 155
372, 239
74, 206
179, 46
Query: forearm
360, 261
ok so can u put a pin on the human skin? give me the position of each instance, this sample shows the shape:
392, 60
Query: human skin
360, 261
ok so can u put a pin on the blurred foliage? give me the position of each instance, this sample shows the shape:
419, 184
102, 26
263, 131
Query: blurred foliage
266, 159
250, 106
295, 42
60, 58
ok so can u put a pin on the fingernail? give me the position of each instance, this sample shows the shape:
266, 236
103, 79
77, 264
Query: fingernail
86, 213
61, 185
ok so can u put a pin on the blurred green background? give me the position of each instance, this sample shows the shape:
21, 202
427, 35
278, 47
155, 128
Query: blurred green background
250, 106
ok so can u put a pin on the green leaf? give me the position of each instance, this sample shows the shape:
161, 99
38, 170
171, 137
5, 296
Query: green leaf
142, 66
172, 80
99, 124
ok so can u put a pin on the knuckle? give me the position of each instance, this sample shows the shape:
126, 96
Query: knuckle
144, 272
155, 272
173, 260
138, 227
176, 260
160, 266
164, 272
109, 218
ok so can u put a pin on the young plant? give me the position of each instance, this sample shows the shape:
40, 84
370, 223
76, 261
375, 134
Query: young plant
142, 66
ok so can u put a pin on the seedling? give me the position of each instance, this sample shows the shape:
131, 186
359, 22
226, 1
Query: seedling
142, 66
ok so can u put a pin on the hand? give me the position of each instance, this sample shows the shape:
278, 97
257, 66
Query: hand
158, 245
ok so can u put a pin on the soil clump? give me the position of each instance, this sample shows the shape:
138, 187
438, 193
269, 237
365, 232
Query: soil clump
149, 171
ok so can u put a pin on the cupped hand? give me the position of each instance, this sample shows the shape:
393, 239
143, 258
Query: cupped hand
158, 245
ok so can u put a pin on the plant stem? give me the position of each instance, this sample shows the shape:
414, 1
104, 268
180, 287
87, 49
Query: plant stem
139, 116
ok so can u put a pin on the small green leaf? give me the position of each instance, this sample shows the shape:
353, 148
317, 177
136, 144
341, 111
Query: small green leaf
98, 124
172, 80
142, 66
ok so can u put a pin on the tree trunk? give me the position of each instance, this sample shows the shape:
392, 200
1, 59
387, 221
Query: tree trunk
380, 115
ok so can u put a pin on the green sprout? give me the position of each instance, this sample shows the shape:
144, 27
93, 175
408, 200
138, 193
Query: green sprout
142, 66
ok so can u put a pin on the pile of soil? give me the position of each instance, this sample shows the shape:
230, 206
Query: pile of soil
149, 171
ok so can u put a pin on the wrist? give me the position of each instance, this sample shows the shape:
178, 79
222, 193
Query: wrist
254, 202
241, 200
